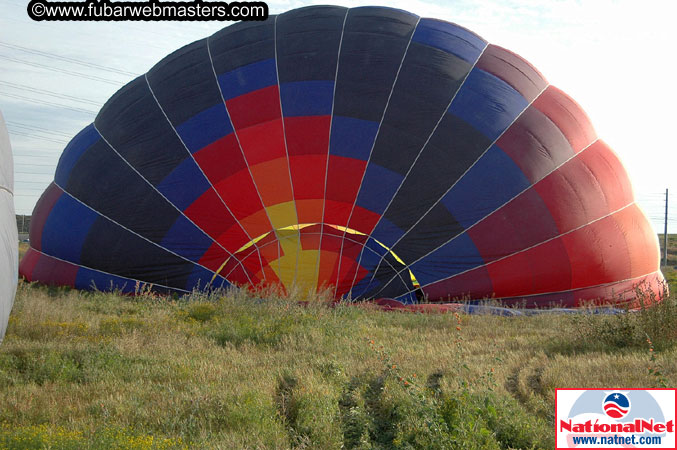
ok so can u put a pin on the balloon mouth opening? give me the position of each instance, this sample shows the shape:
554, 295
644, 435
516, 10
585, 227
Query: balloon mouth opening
289, 236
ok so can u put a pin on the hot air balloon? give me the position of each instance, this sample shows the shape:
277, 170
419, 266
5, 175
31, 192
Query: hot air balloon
9, 251
367, 151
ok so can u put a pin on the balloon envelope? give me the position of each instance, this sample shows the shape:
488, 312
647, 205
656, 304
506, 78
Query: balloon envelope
364, 150
9, 251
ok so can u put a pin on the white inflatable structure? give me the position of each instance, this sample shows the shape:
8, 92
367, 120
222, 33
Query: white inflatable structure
9, 251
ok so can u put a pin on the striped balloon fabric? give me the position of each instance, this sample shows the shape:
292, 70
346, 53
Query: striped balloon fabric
366, 150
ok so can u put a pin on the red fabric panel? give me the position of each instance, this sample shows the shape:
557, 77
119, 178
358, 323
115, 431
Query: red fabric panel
476, 283
512, 69
344, 178
221, 159
328, 263
40, 213
214, 257
252, 263
641, 241
613, 293
256, 225
568, 116
307, 135
337, 213
54, 272
310, 238
609, 173
255, 107
521, 223
331, 239
544, 268
28, 263
268, 248
209, 214
307, 173
363, 220
347, 268
238, 276
272, 180
263, 142
589, 186
240, 194
535, 144
309, 211
598, 253
331, 246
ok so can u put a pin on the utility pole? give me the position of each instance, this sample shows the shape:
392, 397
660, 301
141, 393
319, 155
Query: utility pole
665, 234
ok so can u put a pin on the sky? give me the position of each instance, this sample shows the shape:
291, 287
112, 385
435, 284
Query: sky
612, 57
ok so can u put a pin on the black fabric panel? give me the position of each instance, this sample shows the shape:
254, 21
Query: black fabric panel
428, 80
184, 82
395, 288
452, 149
242, 43
101, 180
385, 273
307, 43
111, 249
133, 124
436, 228
374, 42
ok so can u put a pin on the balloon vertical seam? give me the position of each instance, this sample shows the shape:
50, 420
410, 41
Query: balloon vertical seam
456, 182
237, 138
129, 230
414, 163
331, 121
385, 110
156, 190
211, 186
286, 151
107, 273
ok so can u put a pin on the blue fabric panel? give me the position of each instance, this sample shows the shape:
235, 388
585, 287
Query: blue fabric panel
370, 256
66, 228
75, 148
205, 127
450, 38
409, 298
184, 239
184, 185
378, 187
352, 138
454, 257
307, 98
93, 279
491, 182
487, 103
361, 287
248, 78
201, 277
387, 232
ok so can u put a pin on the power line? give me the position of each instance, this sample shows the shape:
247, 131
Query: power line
43, 102
34, 165
38, 129
42, 138
67, 72
50, 93
68, 59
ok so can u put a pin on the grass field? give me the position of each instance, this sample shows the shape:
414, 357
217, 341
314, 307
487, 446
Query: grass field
96, 370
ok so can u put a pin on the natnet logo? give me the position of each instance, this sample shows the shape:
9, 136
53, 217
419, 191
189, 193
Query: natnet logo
615, 418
